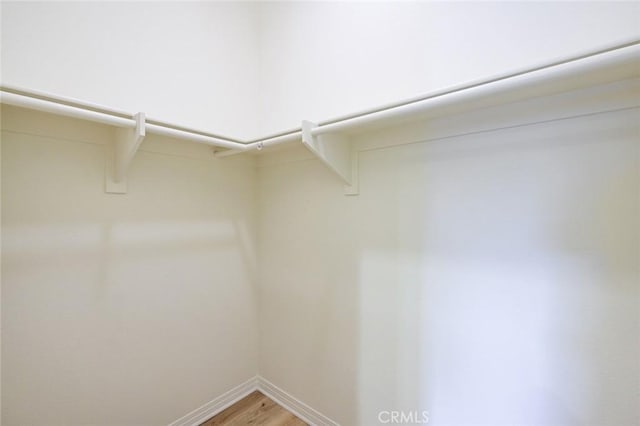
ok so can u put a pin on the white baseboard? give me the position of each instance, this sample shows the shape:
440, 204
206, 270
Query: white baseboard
213, 407
294, 405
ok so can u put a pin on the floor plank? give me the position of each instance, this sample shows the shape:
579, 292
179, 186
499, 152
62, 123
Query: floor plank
255, 409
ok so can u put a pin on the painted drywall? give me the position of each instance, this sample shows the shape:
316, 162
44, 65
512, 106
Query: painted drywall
320, 60
487, 279
190, 63
121, 309
345, 282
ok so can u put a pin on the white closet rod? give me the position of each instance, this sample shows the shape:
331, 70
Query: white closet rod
529, 79
110, 111
195, 137
67, 110
102, 115
497, 89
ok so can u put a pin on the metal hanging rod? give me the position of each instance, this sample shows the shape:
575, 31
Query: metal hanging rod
532, 79
100, 108
571, 72
53, 107
103, 115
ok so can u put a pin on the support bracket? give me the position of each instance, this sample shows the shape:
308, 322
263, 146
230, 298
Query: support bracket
336, 152
120, 154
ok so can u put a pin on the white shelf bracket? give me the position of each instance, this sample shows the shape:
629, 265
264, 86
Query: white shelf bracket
121, 153
336, 152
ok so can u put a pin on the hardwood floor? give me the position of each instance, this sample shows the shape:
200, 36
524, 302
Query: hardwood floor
255, 409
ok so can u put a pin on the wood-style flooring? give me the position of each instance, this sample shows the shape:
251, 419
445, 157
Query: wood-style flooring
255, 409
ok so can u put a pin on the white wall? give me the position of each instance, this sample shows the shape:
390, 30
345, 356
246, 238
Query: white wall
121, 309
320, 60
490, 279
190, 63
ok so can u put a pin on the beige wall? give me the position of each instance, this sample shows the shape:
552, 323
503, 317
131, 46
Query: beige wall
121, 309
491, 279
496, 271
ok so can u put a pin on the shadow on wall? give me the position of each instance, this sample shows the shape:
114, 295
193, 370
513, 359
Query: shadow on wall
121, 309
112, 302
499, 280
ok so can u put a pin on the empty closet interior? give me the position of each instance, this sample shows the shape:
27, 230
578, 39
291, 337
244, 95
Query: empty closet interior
372, 213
